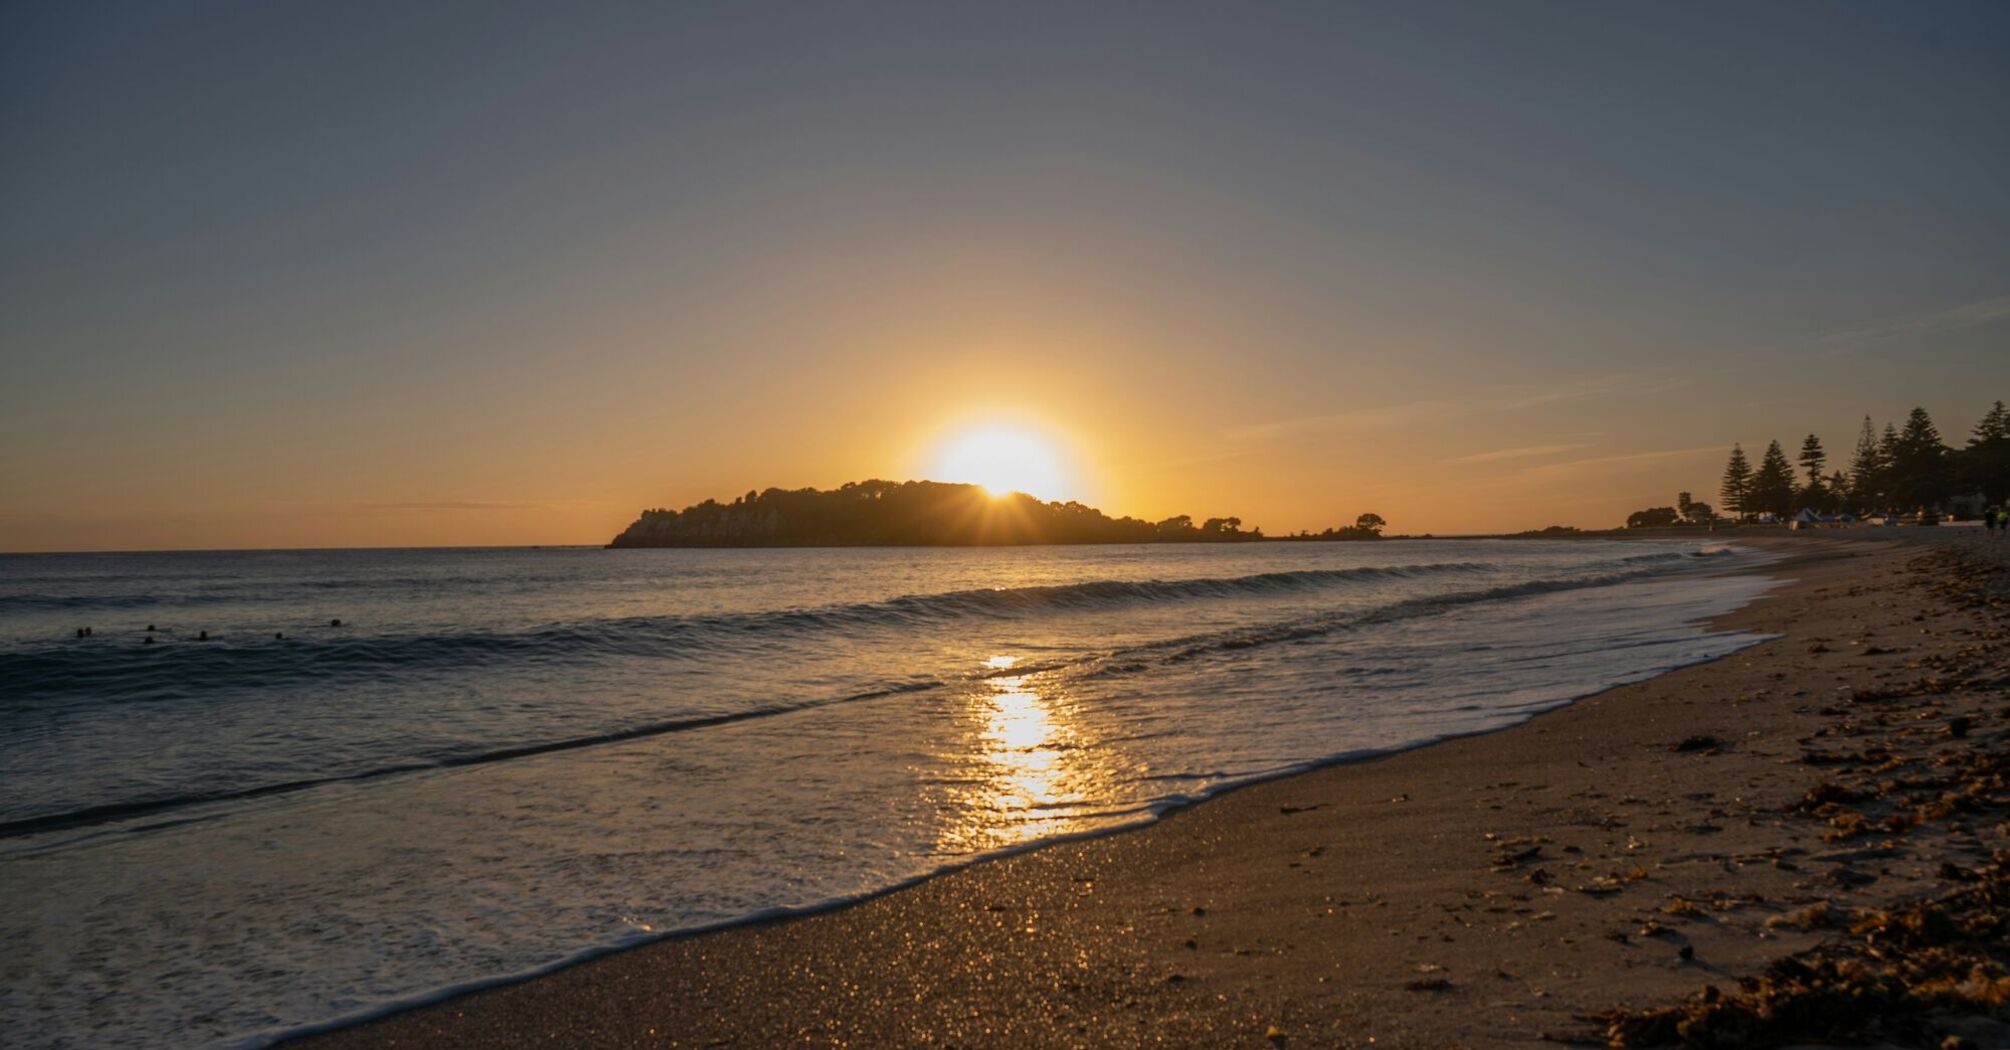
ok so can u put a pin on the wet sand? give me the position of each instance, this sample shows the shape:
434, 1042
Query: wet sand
1506, 890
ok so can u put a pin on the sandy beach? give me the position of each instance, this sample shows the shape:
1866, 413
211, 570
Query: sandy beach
1559, 882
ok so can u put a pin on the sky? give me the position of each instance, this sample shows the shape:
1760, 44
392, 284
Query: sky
297, 275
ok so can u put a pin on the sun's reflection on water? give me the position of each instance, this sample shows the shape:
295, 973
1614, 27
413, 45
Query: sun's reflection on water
1029, 773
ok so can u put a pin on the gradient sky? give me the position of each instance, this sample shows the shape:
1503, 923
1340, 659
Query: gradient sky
279, 274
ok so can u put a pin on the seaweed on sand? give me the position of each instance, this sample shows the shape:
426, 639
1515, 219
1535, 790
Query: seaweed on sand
1895, 969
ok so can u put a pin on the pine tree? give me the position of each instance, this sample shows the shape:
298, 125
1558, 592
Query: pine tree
1887, 457
1985, 463
1919, 463
1813, 460
1737, 483
1995, 426
1772, 489
1866, 469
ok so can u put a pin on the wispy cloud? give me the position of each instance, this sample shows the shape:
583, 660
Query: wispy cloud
1622, 385
454, 504
1968, 315
1525, 452
1630, 459
1511, 398
1352, 419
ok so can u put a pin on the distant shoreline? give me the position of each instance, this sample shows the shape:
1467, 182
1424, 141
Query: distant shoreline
1657, 532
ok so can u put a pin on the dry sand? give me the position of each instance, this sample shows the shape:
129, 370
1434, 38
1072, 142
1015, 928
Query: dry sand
1496, 891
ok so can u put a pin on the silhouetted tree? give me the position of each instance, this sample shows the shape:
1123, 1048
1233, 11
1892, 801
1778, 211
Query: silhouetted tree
1737, 487
1652, 517
1919, 464
1866, 469
1993, 426
1985, 462
1887, 453
1813, 459
1772, 488
1370, 522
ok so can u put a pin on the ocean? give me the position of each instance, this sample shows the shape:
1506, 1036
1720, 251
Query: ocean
504, 760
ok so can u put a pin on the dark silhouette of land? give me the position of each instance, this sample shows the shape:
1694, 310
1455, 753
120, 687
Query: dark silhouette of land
1906, 472
1905, 469
925, 514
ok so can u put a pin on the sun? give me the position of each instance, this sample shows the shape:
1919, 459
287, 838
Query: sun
1003, 460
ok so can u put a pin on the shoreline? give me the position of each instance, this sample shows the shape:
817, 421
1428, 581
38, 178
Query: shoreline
1148, 815
735, 982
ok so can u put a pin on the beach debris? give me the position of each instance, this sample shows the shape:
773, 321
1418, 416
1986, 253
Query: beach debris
1612, 883
1682, 907
1844, 758
1816, 916
1699, 742
334, 623
1426, 984
1894, 974
1928, 972
1512, 852
1827, 793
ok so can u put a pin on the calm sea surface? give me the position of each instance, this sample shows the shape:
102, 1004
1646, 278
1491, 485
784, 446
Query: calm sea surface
505, 759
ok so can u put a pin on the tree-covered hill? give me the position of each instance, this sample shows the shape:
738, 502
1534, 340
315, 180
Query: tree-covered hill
907, 513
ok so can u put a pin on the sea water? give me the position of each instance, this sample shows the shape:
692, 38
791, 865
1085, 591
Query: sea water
501, 760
